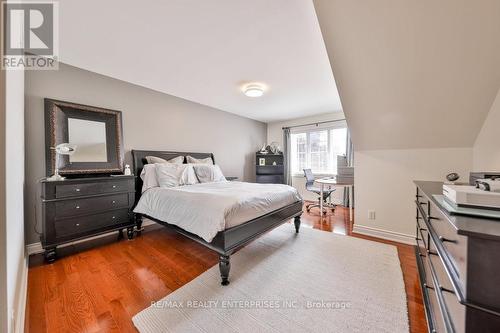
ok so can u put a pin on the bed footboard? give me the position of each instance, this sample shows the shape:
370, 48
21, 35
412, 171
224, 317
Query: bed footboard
229, 240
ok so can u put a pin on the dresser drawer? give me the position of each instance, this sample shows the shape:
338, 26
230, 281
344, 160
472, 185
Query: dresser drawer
81, 225
437, 316
270, 179
456, 311
423, 233
82, 189
270, 169
82, 206
438, 268
454, 244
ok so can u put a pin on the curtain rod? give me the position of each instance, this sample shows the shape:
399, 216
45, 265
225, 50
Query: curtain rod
317, 123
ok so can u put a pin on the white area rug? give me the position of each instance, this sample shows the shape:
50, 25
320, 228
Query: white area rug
315, 281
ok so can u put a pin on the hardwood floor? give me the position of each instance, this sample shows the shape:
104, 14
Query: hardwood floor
99, 286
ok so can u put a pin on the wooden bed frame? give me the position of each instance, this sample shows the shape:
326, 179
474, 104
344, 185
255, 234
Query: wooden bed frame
229, 240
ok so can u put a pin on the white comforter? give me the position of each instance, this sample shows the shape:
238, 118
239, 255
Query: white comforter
205, 209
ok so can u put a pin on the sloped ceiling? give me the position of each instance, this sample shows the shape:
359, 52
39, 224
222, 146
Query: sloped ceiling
413, 74
205, 51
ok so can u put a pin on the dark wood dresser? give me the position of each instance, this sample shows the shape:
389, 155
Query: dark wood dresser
272, 171
458, 260
77, 208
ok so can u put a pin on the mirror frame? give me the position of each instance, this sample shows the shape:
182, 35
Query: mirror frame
56, 132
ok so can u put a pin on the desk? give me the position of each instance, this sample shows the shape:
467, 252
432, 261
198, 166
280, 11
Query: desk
332, 182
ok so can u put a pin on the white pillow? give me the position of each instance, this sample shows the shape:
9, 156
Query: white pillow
208, 173
171, 175
148, 176
208, 160
175, 160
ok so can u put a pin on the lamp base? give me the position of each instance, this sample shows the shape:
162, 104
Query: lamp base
55, 178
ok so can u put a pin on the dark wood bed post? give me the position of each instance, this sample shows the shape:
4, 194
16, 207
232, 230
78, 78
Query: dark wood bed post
224, 267
296, 221
138, 223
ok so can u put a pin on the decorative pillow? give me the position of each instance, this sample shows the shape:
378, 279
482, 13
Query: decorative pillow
154, 159
148, 176
208, 160
171, 175
209, 173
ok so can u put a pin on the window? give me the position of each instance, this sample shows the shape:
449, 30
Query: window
317, 149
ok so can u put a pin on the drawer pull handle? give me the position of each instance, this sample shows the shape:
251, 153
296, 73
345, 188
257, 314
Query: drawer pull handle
423, 229
446, 290
113, 202
421, 255
77, 207
77, 189
78, 224
114, 186
422, 203
114, 217
433, 218
432, 252
427, 286
442, 239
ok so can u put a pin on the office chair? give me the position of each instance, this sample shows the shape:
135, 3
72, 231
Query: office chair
315, 189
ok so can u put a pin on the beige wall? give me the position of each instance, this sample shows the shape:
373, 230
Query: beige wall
275, 133
151, 120
487, 145
384, 180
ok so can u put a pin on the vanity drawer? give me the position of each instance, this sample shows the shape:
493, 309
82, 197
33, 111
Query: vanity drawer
82, 189
80, 206
81, 225
454, 244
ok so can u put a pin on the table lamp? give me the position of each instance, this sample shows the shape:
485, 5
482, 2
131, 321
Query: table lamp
61, 149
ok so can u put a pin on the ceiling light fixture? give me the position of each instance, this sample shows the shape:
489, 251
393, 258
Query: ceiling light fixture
254, 90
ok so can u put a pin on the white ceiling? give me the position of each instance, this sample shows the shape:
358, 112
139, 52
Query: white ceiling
204, 51
413, 74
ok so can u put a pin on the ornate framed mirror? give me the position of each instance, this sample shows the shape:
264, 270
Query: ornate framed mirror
96, 133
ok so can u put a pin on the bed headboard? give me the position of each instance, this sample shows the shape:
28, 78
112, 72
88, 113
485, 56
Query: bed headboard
139, 160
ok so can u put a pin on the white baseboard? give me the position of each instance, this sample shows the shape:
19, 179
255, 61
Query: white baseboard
36, 248
384, 234
20, 311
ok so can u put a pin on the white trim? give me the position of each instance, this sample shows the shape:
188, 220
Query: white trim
21, 302
36, 248
384, 234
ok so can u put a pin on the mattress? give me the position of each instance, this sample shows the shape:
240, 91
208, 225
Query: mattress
205, 209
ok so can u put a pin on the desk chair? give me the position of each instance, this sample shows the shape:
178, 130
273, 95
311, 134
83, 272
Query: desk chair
315, 189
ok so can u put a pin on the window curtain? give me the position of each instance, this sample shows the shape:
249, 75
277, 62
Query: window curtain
349, 154
287, 155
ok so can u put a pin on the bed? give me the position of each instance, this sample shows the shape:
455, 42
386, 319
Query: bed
255, 209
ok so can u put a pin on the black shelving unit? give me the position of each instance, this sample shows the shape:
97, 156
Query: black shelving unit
273, 172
